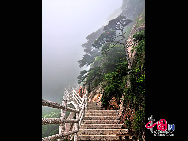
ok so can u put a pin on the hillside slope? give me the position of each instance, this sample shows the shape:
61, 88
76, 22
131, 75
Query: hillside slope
132, 102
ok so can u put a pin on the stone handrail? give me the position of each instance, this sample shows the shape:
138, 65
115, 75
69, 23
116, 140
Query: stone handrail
80, 104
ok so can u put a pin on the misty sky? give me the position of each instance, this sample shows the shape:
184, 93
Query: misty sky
65, 25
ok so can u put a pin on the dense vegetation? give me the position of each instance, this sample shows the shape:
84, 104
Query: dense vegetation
110, 70
134, 96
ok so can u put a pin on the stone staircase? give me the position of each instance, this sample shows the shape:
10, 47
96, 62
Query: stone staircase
101, 125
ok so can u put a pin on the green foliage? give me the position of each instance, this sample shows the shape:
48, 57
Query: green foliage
82, 76
102, 65
48, 130
135, 95
113, 83
117, 24
106, 41
139, 36
107, 47
94, 77
138, 124
51, 115
113, 58
109, 35
105, 37
86, 60
90, 51
48, 112
51, 129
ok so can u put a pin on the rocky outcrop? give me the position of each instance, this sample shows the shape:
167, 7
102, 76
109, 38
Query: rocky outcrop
137, 27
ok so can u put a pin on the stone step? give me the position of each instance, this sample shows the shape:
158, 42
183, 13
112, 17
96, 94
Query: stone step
102, 131
102, 111
102, 137
101, 126
101, 121
101, 114
92, 103
100, 117
93, 108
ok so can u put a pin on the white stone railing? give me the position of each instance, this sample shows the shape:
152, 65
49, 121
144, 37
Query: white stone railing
80, 104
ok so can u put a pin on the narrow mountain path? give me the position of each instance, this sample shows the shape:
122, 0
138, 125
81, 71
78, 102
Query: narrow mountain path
101, 125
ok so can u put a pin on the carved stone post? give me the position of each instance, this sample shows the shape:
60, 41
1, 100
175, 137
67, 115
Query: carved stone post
63, 116
85, 102
86, 99
76, 125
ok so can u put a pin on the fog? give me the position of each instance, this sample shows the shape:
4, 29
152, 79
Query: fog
65, 25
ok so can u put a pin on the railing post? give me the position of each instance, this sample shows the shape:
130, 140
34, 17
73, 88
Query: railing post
63, 116
86, 99
65, 113
76, 124
85, 102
